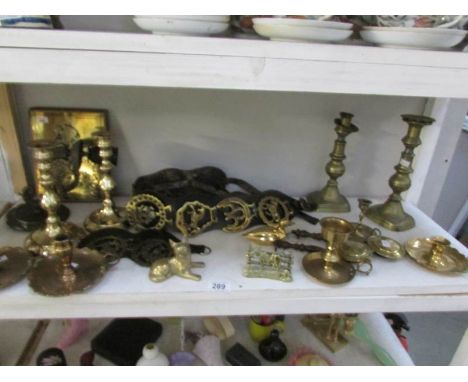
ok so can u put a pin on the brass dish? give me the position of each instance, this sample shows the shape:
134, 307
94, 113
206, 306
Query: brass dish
436, 254
355, 251
386, 247
14, 264
71, 270
361, 232
327, 272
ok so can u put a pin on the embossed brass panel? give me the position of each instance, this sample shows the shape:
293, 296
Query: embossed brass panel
70, 127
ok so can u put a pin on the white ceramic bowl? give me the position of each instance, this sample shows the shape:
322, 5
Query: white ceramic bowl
302, 23
416, 38
216, 19
281, 32
159, 25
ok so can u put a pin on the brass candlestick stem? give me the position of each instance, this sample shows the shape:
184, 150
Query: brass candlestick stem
41, 240
329, 199
108, 215
390, 214
71, 270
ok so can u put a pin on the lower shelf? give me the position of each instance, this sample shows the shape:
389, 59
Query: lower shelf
295, 336
126, 290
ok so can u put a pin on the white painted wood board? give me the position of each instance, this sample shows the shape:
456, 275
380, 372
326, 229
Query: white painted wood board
67, 57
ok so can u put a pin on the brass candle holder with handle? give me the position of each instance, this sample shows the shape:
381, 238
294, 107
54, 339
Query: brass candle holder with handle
108, 216
41, 241
390, 214
71, 270
329, 199
326, 265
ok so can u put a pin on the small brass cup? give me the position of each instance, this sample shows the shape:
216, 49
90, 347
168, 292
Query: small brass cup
335, 231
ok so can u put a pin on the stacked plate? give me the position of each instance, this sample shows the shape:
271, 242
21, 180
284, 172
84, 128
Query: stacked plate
289, 29
183, 25
414, 38
25, 21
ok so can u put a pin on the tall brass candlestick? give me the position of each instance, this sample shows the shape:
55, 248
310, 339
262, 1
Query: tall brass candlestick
108, 215
390, 214
329, 199
41, 241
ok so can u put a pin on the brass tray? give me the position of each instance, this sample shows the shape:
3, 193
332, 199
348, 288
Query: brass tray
14, 265
71, 127
450, 260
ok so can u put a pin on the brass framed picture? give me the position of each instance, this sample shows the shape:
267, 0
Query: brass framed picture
78, 174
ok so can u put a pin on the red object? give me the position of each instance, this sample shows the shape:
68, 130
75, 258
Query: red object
404, 341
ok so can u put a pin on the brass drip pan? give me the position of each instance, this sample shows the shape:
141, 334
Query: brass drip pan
14, 264
329, 273
448, 260
47, 276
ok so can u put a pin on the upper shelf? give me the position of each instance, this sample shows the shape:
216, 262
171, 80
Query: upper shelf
126, 290
95, 58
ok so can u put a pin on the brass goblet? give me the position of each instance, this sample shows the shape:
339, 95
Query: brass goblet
71, 270
329, 268
108, 216
41, 240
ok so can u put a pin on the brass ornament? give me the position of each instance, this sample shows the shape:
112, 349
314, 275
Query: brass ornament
390, 214
329, 199
41, 240
108, 216
332, 329
436, 254
180, 264
271, 265
273, 211
70, 271
267, 235
14, 264
72, 128
386, 247
359, 254
145, 211
194, 217
327, 266
237, 213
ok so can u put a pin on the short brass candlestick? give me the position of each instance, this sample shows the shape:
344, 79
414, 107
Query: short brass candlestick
329, 199
390, 214
108, 215
326, 265
71, 270
41, 240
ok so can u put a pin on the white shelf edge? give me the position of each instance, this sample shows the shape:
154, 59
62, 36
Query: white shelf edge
93, 58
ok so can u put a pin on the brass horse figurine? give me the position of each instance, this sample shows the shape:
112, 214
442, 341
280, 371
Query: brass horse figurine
180, 265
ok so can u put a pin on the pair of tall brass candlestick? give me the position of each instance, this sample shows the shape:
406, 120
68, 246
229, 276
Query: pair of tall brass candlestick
390, 214
63, 269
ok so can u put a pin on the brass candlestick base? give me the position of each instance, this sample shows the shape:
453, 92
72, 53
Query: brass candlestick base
390, 214
14, 264
329, 199
108, 216
331, 329
72, 270
98, 220
40, 242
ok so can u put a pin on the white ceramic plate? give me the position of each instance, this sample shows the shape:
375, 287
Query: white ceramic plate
280, 32
216, 19
416, 38
180, 27
302, 23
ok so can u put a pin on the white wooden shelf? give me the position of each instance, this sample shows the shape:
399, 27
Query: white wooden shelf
96, 58
126, 290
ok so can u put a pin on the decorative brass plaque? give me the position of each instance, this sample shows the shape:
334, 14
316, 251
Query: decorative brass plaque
71, 127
